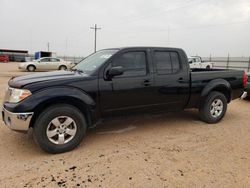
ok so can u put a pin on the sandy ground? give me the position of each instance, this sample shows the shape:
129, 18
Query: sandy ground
166, 150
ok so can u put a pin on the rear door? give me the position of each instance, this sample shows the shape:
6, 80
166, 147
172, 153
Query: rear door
132, 90
171, 79
54, 64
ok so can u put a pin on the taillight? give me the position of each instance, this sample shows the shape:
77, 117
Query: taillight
244, 79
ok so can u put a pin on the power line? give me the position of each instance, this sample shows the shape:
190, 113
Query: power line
95, 28
165, 5
193, 27
216, 25
207, 26
155, 13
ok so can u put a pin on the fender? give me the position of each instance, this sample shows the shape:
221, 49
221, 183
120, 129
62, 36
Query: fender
217, 85
54, 93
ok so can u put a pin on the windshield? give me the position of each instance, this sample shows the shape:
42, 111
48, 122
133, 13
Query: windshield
94, 61
190, 60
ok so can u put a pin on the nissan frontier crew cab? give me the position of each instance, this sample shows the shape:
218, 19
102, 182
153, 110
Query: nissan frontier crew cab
60, 106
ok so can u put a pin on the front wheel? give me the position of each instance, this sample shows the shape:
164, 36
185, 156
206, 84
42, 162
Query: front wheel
60, 128
213, 108
31, 68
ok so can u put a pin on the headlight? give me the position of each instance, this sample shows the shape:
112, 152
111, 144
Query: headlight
18, 95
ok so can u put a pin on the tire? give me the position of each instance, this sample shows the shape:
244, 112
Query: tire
47, 124
208, 67
62, 67
248, 96
213, 108
31, 68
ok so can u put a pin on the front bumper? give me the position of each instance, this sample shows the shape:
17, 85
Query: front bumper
17, 121
247, 90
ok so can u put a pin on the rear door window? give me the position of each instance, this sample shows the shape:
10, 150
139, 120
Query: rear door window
175, 62
45, 60
166, 62
54, 60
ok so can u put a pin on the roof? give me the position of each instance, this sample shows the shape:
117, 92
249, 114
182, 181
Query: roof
14, 51
139, 47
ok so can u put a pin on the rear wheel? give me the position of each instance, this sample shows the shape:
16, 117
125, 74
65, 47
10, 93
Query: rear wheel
31, 68
248, 96
208, 67
213, 108
60, 128
62, 67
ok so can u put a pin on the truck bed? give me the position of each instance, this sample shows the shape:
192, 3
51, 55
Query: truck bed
201, 77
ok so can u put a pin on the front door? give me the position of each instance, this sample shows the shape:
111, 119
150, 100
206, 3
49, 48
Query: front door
131, 91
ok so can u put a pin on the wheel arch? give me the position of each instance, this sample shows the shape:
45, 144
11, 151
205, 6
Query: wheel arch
80, 105
62, 65
219, 85
41, 100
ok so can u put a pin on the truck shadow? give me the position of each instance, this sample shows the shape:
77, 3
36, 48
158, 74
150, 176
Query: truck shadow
120, 126
117, 125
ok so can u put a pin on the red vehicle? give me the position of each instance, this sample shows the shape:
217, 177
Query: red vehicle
4, 58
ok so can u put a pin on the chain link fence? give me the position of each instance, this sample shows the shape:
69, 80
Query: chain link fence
73, 59
239, 63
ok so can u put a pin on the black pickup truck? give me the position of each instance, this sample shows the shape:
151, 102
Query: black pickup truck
60, 106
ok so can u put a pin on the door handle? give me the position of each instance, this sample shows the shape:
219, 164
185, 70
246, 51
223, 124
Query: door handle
181, 80
146, 83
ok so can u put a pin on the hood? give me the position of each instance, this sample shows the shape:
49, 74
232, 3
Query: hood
25, 63
21, 81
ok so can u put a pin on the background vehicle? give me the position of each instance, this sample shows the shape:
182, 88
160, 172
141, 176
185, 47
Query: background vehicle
247, 89
42, 54
62, 105
46, 63
196, 62
4, 58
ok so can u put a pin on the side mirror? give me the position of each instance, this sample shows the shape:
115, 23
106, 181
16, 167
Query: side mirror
115, 71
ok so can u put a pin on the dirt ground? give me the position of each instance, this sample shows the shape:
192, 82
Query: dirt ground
166, 150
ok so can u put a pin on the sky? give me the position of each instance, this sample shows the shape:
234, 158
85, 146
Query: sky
200, 27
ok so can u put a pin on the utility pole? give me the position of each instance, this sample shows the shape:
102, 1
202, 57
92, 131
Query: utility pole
168, 36
48, 46
95, 28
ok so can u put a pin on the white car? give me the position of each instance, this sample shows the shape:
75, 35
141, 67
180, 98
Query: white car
46, 63
196, 62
